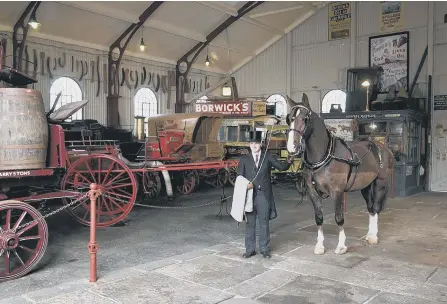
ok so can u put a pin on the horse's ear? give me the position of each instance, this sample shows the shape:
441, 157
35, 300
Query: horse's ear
288, 119
305, 101
290, 101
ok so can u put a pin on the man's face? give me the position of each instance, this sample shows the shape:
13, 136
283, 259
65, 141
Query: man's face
255, 147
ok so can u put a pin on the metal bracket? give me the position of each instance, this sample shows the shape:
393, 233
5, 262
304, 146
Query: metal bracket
116, 52
17, 44
180, 76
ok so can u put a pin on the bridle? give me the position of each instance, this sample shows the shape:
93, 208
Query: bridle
307, 119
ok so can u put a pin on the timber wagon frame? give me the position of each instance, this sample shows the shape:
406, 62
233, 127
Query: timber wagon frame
69, 168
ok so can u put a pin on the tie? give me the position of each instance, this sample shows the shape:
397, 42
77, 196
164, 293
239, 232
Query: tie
257, 159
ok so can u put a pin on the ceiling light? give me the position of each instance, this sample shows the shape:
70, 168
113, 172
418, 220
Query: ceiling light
142, 46
207, 61
33, 21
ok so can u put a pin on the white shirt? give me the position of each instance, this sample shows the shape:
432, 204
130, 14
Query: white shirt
254, 157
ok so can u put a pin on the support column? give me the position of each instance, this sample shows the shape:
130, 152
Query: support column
289, 58
353, 36
116, 52
430, 90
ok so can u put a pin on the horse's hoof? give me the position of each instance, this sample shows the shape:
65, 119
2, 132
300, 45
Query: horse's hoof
372, 240
319, 250
341, 250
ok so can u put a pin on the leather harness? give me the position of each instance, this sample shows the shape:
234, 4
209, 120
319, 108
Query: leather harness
353, 160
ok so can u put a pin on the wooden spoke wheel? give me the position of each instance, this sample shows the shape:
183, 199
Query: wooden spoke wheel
151, 184
187, 181
115, 180
219, 178
21, 250
232, 175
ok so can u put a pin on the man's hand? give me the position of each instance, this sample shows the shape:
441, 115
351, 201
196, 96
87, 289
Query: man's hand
290, 158
249, 186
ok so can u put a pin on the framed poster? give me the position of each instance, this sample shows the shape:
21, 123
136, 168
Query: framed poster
339, 20
391, 52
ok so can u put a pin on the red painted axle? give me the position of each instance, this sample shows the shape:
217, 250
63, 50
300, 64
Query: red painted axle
93, 245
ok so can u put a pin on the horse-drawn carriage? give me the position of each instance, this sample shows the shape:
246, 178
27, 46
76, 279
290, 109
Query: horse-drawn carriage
37, 164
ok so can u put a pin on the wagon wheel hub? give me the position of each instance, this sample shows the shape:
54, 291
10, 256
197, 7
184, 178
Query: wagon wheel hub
9, 240
101, 188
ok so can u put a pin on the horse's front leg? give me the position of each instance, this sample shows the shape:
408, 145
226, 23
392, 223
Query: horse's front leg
318, 208
340, 220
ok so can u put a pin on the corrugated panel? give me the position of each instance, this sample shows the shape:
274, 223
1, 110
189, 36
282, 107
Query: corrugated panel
96, 108
323, 65
440, 11
313, 30
414, 15
441, 33
266, 74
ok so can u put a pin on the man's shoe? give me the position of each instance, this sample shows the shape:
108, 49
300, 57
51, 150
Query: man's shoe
248, 254
266, 255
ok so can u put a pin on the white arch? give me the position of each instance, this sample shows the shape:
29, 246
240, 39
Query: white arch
280, 104
71, 92
333, 97
145, 104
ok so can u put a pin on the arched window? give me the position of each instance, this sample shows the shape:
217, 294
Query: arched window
280, 104
145, 104
71, 92
333, 97
202, 99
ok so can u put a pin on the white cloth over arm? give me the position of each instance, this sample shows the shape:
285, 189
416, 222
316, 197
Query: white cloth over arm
242, 199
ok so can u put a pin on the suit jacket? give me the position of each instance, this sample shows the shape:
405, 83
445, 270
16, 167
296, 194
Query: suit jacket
247, 169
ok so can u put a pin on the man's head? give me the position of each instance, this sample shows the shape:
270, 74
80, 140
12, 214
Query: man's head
255, 141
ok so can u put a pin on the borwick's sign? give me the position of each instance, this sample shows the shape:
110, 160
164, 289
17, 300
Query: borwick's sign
227, 108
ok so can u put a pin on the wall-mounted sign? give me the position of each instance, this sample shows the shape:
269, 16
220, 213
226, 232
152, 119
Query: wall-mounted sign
259, 108
391, 53
391, 16
440, 102
235, 108
342, 128
339, 20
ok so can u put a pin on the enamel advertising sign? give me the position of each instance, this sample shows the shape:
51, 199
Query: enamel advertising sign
235, 108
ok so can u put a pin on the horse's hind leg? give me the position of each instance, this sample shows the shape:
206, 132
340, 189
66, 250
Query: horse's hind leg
377, 199
340, 220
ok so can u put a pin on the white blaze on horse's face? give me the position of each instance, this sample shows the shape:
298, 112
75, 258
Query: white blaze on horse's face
291, 147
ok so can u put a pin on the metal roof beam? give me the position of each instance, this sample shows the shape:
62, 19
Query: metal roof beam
195, 51
119, 47
19, 39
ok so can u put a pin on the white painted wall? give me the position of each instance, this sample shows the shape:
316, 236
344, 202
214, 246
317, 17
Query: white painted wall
96, 108
319, 65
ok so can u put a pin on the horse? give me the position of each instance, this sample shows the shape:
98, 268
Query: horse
333, 167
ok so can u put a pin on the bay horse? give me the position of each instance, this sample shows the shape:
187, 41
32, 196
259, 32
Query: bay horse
333, 167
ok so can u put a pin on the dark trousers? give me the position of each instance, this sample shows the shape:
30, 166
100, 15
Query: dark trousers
261, 210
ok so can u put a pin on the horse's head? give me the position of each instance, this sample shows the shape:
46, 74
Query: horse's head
298, 121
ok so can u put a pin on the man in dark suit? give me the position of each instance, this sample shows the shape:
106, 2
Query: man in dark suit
263, 201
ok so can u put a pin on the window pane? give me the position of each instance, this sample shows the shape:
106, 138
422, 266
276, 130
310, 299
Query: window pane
71, 92
333, 97
145, 104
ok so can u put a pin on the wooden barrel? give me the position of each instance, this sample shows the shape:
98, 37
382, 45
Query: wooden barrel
23, 129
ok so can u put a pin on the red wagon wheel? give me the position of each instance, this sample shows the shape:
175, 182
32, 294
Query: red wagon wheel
187, 181
116, 182
232, 175
22, 249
